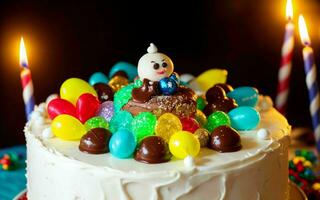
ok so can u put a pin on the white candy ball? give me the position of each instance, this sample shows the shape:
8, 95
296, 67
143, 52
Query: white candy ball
189, 162
47, 133
263, 134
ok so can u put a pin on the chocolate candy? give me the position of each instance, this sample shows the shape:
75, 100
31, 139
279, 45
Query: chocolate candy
104, 91
145, 92
95, 141
225, 139
153, 150
224, 105
226, 87
215, 93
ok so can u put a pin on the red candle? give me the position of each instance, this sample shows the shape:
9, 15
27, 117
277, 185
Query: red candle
286, 57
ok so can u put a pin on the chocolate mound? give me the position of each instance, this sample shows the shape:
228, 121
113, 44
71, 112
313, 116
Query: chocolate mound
104, 91
153, 150
182, 103
225, 139
95, 141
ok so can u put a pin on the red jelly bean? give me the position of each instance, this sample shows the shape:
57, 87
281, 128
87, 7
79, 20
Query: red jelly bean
189, 124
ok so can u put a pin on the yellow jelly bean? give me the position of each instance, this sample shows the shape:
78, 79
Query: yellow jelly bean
211, 77
67, 127
73, 88
183, 144
167, 125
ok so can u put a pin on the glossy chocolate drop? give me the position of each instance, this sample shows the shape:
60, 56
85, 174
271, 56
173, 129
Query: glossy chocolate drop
224, 105
104, 91
145, 92
153, 150
215, 93
226, 87
95, 141
225, 139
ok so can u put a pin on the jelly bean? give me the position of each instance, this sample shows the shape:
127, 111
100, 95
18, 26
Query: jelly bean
98, 77
143, 125
167, 125
211, 77
60, 106
86, 106
122, 144
244, 118
183, 144
189, 124
245, 96
67, 127
73, 88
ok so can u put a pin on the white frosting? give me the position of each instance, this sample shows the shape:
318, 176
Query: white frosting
149, 60
189, 162
56, 169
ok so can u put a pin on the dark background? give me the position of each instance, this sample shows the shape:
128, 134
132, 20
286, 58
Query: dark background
72, 39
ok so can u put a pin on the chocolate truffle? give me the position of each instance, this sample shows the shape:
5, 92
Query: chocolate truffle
145, 92
226, 87
225, 139
121, 73
104, 91
215, 93
95, 141
224, 105
153, 149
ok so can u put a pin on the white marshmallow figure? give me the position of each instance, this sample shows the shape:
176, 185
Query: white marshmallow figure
154, 65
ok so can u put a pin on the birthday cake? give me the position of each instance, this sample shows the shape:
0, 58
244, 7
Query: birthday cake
155, 136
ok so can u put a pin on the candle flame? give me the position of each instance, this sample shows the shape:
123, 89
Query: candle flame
304, 35
289, 10
23, 54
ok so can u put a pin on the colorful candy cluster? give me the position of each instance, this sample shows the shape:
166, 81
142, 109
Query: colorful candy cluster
9, 161
302, 172
98, 114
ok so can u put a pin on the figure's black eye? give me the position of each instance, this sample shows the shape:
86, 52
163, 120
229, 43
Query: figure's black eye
156, 66
164, 65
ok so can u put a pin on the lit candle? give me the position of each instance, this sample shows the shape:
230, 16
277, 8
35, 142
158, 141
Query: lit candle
26, 81
311, 79
286, 57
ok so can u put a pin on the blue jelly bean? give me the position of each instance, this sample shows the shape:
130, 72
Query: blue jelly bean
244, 118
128, 68
122, 144
245, 96
98, 77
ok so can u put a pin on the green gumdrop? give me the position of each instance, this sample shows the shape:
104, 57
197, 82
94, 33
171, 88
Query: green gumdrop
201, 103
216, 119
122, 97
96, 122
121, 119
143, 125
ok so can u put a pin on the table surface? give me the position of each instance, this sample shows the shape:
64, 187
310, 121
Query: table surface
13, 182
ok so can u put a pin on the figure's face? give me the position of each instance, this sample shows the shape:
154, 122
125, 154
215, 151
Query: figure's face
155, 66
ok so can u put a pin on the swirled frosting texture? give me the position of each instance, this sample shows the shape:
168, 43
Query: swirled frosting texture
56, 169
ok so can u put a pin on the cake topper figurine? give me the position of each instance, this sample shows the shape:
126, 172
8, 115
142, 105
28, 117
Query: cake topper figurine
154, 65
